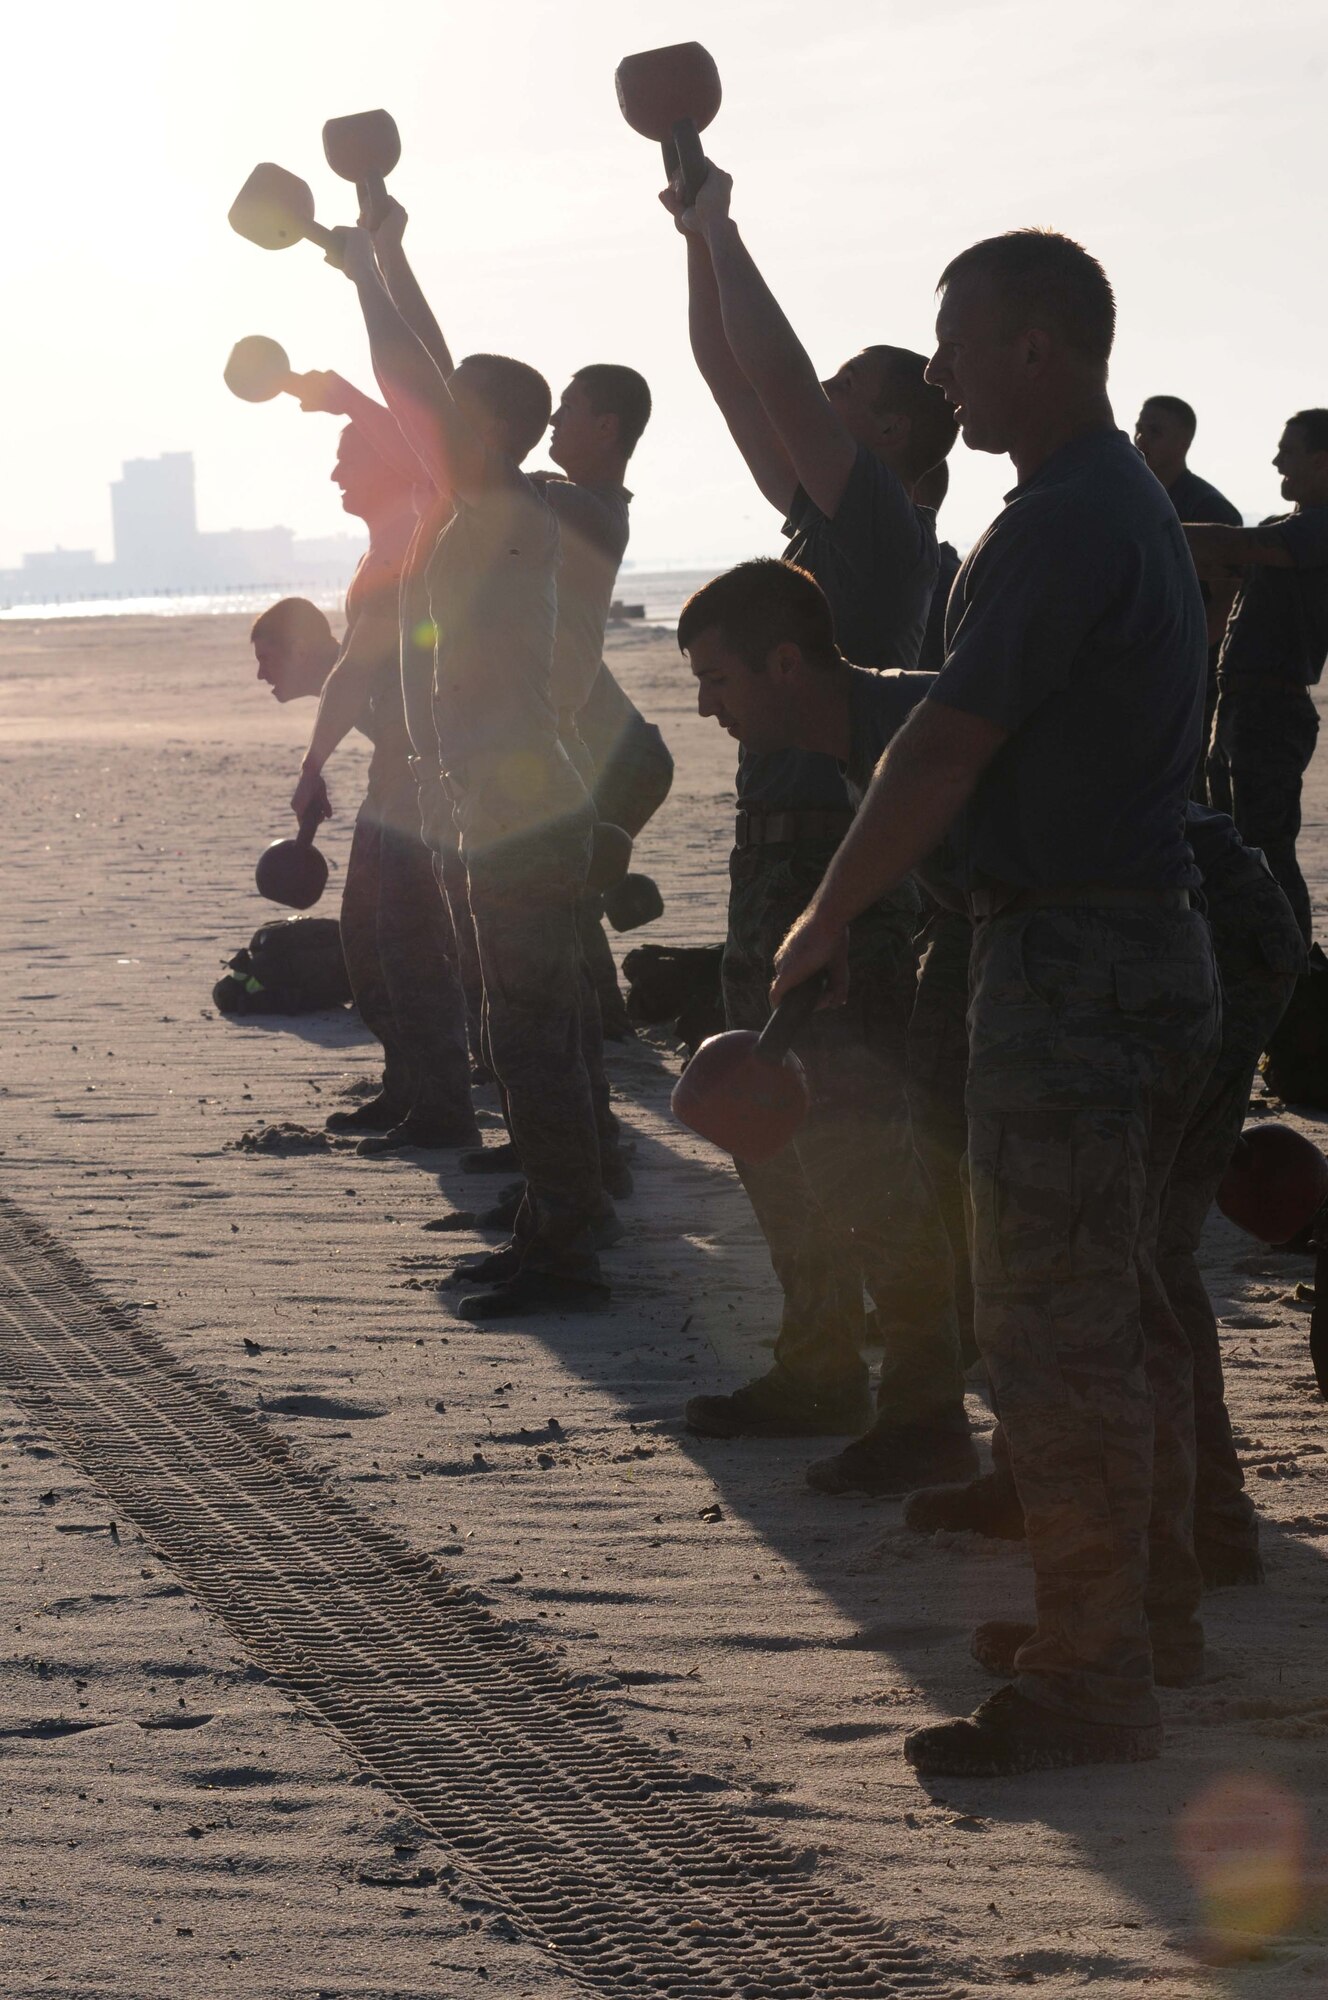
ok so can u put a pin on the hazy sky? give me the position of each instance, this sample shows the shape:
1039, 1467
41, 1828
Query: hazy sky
870, 140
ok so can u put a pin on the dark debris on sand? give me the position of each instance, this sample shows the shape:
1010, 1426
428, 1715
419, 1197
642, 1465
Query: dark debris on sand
285, 1139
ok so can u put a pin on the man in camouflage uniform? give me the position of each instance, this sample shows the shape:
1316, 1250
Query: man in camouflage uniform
1259, 953
396, 937
1267, 724
524, 818
1043, 780
840, 461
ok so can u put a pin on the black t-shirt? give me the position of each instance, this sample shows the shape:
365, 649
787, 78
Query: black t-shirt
878, 706
1279, 622
1195, 500
876, 562
1076, 623
933, 639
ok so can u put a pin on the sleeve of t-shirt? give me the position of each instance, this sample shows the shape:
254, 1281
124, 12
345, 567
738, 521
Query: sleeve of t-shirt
1304, 537
1031, 596
874, 513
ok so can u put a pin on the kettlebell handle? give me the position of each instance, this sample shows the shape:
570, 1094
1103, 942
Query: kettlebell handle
792, 1014
310, 821
684, 159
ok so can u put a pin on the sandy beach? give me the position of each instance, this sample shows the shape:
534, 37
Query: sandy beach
176, 1821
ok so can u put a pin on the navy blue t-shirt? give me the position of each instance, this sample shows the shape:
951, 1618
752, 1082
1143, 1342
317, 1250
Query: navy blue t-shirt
933, 639
879, 704
1279, 621
876, 562
1194, 499
1077, 624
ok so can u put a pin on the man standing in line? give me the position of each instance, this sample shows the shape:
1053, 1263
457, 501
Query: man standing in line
391, 919
839, 460
1164, 431
761, 644
1048, 765
524, 817
1266, 724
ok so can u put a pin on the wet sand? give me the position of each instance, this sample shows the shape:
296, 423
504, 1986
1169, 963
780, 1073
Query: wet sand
173, 1823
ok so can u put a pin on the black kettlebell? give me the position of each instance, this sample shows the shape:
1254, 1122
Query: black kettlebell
293, 872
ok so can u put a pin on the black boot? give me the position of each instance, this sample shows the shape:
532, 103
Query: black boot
987, 1505
421, 1132
1009, 1735
376, 1114
893, 1458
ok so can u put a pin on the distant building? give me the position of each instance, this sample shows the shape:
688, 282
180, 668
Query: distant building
160, 550
154, 522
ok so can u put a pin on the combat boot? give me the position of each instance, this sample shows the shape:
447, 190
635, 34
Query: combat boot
894, 1458
987, 1505
1009, 1735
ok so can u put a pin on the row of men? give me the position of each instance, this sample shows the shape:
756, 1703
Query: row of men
1037, 788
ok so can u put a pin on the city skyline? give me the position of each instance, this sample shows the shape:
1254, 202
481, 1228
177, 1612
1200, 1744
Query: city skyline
1170, 141
158, 548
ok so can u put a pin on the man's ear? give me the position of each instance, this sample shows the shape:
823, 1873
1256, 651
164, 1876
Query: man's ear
892, 426
1037, 350
784, 663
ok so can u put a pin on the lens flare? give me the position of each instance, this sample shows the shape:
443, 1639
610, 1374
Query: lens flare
1243, 1843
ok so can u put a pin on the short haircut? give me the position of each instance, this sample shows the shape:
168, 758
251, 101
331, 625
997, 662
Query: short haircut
516, 394
933, 426
1314, 423
1175, 407
616, 391
761, 605
292, 621
1044, 280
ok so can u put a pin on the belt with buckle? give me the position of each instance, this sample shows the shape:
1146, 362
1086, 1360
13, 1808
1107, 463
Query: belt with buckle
761, 829
999, 901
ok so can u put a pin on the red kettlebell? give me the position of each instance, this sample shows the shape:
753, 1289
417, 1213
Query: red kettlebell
746, 1092
1276, 1183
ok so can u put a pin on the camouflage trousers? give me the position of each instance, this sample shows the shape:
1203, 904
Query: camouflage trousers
1259, 953
846, 1202
600, 968
539, 1024
401, 955
937, 1073
1091, 1033
1264, 733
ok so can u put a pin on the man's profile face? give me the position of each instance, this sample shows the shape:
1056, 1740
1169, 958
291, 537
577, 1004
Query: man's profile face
978, 365
1162, 439
1304, 471
575, 432
855, 389
279, 667
358, 473
745, 703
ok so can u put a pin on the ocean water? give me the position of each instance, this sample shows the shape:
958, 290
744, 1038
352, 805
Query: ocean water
663, 592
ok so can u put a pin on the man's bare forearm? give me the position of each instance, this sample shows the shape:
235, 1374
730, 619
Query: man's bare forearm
737, 400
340, 707
1219, 550
380, 429
759, 336
418, 396
410, 302
914, 798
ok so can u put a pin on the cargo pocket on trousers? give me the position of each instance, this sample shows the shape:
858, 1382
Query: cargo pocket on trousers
1057, 1195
